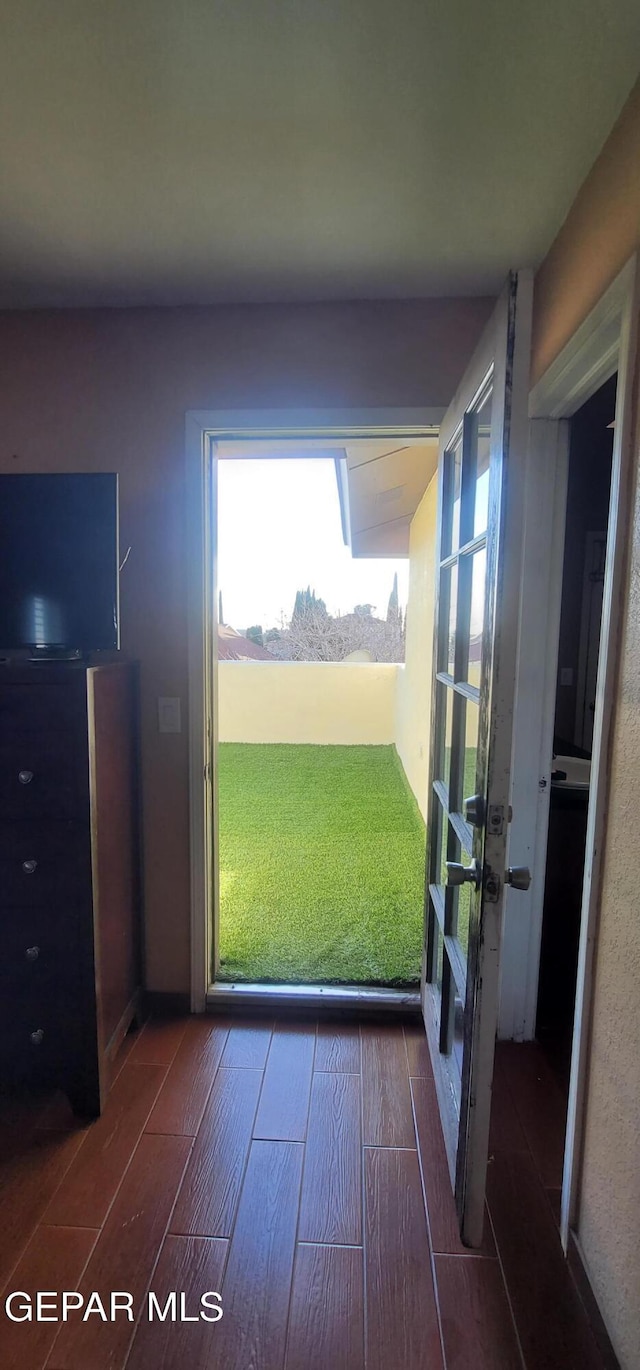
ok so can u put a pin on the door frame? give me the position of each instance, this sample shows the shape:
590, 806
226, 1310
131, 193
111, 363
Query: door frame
204, 428
603, 344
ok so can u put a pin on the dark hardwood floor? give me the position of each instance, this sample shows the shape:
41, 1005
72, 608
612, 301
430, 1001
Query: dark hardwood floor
299, 1169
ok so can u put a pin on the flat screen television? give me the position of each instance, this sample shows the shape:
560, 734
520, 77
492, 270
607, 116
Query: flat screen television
59, 563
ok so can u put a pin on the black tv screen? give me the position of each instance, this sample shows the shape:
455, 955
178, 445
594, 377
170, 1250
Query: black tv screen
59, 562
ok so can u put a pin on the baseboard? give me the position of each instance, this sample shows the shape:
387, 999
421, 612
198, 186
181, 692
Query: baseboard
578, 1269
163, 1005
133, 1010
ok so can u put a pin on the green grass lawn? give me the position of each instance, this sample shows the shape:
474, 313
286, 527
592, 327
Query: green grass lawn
321, 865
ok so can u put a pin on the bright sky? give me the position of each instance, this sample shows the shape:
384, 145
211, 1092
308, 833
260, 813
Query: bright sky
279, 530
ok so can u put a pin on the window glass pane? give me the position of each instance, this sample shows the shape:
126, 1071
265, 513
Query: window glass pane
481, 510
476, 622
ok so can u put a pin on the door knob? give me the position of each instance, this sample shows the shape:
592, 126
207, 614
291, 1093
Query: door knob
458, 874
519, 877
29, 867
474, 810
25, 777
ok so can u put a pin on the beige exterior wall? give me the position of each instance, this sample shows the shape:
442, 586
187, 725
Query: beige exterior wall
600, 233
347, 703
413, 700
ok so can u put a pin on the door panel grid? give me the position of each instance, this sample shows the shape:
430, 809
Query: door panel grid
461, 612
478, 568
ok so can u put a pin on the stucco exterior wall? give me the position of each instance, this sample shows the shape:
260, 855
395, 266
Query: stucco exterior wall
413, 699
345, 703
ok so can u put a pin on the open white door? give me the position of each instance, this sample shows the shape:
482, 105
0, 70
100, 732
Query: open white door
481, 478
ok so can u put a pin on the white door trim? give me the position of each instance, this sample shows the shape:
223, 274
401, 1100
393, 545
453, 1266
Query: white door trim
604, 343
203, 429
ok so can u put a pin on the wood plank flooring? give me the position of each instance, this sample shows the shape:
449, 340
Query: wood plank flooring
299, 1170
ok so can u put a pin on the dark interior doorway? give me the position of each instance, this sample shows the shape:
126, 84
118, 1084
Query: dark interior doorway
588, 496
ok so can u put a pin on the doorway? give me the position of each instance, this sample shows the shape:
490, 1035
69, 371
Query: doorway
393, 431
320, 839
583, 575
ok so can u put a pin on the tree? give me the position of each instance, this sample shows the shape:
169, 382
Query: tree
393, 608
314, 635
307, 600
364, 610
255, 634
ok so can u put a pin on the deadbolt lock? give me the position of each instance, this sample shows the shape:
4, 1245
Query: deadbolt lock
519, 877
474, 810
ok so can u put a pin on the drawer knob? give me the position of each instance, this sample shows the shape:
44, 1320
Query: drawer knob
25, 777
29, 867
32, 953
36, 1038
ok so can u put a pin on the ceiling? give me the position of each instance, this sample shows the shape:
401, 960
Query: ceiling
196, 151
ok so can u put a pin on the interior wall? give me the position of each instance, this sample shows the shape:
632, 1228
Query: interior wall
413, 700
610, 1180
601, 232
108, 390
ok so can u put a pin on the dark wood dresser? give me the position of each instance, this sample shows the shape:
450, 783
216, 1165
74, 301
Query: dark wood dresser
69, 874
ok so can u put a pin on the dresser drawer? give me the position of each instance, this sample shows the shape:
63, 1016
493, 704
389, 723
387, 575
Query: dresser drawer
44, 865
42, 705
34, 1038
37, 953
42, 775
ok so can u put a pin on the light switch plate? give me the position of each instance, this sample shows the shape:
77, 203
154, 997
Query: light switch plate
169, 720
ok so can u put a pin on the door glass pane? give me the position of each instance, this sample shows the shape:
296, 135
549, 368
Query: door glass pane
437, 845
434, 970
445, 725
472, 713
483, 438
448, 598
476, 622
456, 492
465, 894
439, 960
450, 519
453, 610
458, 1032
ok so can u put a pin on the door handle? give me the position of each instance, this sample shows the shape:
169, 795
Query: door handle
458, 874
519, 877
